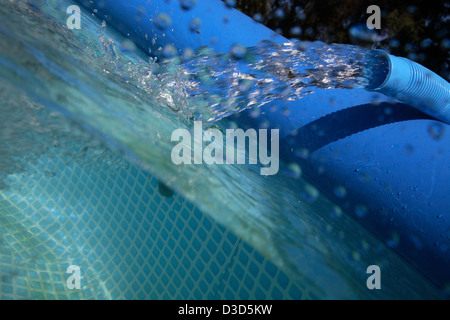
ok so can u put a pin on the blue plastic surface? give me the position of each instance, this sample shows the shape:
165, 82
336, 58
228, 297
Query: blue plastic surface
390, 159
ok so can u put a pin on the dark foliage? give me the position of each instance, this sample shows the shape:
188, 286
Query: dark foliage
421, 28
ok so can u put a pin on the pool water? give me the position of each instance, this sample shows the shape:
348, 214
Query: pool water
86, 127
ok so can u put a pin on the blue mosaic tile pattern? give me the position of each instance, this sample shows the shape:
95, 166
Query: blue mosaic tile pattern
130, 241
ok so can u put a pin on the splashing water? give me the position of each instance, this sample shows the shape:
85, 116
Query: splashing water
63, 92
252, 77
210, 86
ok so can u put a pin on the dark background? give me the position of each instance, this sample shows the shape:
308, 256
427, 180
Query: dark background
408, 23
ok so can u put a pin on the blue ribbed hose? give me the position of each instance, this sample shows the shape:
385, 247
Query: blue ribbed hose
411, 83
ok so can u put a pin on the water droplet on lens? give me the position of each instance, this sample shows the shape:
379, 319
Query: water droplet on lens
394, 43
245, 85
436, 130
230, 3
188, 54
361, 210
255, 113
426, 43
301, 45
445, 44
127, 46
412, 9
187, 4
412, 56
340, 192
296, 31
300, 12
258, 17
232, 125
409, 47
394, 240
388, 111
409, 149
302, 153
264, 125
279, 13
309, 31
163, 21
336, 212
286, 111
310, 194
356, 255
195, 25
238, 51
169, 51
293, 170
